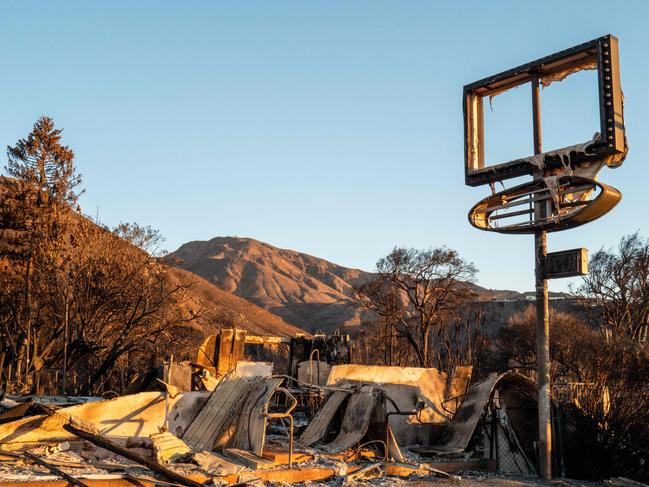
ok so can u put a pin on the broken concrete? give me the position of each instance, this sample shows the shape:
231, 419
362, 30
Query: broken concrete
246, 368
169, 448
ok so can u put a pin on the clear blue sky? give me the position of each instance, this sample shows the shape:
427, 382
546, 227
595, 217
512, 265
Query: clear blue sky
332, 128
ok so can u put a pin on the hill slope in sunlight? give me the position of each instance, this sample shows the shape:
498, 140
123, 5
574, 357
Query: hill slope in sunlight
306, 291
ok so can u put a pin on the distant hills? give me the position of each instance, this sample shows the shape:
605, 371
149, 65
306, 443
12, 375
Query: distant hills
306, 291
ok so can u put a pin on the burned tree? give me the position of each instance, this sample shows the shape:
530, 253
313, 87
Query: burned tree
600, 383
74, 296
43, 189
420, 292
615, 293
128, 307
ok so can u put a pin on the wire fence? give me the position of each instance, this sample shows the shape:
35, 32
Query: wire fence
582, 449
590, 452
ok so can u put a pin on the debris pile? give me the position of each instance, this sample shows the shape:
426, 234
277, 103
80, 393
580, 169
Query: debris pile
227, 419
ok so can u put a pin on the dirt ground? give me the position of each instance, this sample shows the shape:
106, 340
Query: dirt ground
473, 481
490, 482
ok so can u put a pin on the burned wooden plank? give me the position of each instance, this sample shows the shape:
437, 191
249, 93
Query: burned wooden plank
365, 470
400, 469
97, 439
15, 412
223, 351
218, 412
54, 470
251, 427
356, 421
10, 454
281, 457
285, 476
230, 344
317, 428
267, 340
248, 459
206, 356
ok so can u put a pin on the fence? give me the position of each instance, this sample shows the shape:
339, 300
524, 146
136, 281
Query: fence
582, 448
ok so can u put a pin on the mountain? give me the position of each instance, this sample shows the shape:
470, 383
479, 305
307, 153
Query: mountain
306, 291
309, 292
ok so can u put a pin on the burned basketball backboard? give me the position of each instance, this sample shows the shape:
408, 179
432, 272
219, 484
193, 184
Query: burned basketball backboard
608, 147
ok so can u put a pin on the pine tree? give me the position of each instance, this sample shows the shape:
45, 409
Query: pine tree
45, 178
46, 166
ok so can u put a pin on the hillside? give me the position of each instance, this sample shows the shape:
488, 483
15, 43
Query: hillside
214, 307
306, 291
220, 308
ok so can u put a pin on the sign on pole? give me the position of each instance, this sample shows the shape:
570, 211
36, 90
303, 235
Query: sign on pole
567, 263
563, 192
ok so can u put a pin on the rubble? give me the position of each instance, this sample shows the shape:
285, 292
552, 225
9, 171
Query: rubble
320, 421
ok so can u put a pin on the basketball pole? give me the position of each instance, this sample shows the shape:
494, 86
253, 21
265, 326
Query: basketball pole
542, 308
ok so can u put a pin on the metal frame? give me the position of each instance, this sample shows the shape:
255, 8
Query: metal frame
598, 199
602, 54
281, 415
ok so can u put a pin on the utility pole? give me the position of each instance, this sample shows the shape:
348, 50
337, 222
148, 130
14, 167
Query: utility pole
542, 308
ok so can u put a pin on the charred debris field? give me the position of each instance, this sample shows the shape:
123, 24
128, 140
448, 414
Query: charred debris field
231, 361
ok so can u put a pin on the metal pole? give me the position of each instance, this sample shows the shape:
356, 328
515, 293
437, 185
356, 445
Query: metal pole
64, 384
391, 343
171, 363
542, 309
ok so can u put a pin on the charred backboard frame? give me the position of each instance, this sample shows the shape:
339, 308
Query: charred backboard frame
601, 54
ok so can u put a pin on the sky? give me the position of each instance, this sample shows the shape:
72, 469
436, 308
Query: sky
331, 128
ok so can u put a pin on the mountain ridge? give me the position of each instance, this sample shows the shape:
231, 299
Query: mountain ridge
304, 290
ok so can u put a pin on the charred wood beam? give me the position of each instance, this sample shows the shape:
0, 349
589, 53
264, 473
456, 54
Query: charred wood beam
54, 470
103, 442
